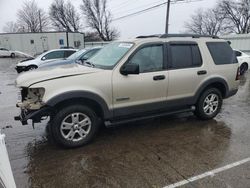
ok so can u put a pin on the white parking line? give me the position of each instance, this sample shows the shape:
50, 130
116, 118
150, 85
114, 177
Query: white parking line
209, 173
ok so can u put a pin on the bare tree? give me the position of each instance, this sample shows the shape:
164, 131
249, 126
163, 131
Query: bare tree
64, 16
237, 14
209, 22
91, 37
32, 18
12, 27
99, 18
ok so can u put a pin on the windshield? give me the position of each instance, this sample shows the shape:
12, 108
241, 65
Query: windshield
76, 55
109, 56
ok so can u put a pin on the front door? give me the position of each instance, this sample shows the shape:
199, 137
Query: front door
146, 91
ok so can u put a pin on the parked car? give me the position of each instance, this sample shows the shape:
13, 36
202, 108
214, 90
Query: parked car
244, 61
78, 57
7, 53
128, 81
43, 59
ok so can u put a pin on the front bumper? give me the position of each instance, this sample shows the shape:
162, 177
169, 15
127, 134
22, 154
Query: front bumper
35, 115
20, 69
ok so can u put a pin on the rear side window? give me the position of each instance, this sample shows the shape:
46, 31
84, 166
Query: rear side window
221, 53
54, 55
68, 53
185, 56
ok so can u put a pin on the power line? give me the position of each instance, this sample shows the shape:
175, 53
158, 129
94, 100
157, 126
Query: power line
151, 8
135, 8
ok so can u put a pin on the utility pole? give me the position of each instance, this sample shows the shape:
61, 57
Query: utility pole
40, 21
167, 17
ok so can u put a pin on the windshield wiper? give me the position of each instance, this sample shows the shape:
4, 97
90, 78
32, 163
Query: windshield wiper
89, 64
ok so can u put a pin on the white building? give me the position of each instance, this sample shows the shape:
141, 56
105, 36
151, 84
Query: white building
37, 43
239, 41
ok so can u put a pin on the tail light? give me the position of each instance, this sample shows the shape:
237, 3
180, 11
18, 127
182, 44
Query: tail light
238, 74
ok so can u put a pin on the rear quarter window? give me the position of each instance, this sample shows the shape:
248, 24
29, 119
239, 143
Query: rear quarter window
221, 53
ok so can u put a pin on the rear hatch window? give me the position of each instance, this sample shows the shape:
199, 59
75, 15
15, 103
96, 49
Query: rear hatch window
222, 53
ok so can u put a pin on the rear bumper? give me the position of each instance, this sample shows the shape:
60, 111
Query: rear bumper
20, 69
36, 115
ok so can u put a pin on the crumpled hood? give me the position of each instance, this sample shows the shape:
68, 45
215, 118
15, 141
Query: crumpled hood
28, 78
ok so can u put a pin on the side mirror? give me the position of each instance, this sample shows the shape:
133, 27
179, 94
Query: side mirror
129, 69
43, 58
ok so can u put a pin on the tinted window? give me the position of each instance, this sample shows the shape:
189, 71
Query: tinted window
149, 58
221, 53
185, 55
69, 53
237, 53
54, 55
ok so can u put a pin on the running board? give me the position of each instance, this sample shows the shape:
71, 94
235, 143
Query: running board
124, 121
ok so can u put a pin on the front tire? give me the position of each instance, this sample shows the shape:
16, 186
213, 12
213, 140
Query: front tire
32, 67
209, 104
74, 126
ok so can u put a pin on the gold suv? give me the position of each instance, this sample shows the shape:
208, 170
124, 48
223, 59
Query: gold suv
147, 77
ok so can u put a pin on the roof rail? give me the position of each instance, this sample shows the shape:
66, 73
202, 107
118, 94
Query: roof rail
178, 35
148, 36
188, 35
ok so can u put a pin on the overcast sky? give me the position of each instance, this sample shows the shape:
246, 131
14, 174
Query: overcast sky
151, 22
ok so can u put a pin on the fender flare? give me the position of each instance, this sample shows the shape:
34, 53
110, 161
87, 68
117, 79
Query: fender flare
209, 82
84, 95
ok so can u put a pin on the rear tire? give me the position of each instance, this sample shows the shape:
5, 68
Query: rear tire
12, 55
209, 104
243, 68
74, 126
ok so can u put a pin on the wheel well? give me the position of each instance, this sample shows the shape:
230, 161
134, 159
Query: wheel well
220, 86
88, 102
245, 63
30, 66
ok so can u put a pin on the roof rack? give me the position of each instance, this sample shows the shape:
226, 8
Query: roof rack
188, 35
180, 35
148, 36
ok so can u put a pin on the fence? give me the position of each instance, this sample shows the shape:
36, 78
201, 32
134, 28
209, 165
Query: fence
6, 176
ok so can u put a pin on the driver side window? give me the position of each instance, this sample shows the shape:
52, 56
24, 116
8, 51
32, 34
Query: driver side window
149, 58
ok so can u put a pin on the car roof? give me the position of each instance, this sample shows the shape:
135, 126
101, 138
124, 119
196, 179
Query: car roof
62, 50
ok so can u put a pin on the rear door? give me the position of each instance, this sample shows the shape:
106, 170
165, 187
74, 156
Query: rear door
186, 70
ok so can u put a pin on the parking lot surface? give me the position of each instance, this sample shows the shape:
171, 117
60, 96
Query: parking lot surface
154, 153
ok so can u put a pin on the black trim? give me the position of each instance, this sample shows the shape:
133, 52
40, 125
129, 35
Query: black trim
84, 95
149, 116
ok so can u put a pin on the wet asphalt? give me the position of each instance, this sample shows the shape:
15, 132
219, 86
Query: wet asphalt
152, 153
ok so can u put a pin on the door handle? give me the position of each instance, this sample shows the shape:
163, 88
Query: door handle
202, 72
160, 77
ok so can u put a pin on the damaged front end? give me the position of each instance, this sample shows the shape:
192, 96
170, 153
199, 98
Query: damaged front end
31, 105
